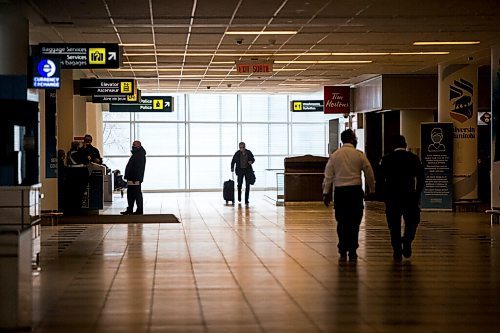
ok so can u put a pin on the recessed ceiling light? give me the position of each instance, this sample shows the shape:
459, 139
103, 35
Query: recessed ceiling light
447, 43
268, 32
419, 53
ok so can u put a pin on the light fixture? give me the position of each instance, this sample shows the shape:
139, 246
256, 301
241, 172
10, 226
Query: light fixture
267, 32
448, 43
324, 62
139, 62
136, 44
419, 53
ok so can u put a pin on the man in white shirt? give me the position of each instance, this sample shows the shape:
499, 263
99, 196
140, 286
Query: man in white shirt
343, 171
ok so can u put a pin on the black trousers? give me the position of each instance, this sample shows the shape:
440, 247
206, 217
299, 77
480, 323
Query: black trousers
409, 209
348, 204
134, 194
243, 174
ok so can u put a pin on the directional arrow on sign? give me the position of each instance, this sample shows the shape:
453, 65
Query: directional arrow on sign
111, 55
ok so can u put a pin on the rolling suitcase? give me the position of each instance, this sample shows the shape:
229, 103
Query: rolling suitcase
228, 191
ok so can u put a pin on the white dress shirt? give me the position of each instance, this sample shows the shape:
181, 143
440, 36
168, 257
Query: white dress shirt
344, 169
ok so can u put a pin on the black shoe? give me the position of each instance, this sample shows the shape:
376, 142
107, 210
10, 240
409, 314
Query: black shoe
137, 213
397, 257
343, 257
247, 203
406, 250
353, 256
127, 212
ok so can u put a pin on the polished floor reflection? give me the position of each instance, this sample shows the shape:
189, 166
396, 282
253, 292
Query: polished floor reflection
264, 268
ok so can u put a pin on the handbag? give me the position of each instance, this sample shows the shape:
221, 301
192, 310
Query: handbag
251, 177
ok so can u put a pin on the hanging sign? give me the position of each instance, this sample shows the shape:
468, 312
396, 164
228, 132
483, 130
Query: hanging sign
81, 55
307, 106
91, 87
337, 99
117, 98
147, 104
255, 66
45, 73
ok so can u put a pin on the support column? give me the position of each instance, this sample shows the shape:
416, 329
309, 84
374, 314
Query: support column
410, 121
14, 41
94, 124
458, 104
65, 114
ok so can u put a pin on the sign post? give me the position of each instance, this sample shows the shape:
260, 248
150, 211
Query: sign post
307, 106
91, 87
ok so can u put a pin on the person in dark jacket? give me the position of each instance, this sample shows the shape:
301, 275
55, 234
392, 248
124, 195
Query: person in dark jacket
243, 160
89, 152
403, 182
134, 174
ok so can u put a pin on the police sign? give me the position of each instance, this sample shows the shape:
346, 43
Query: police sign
81, 55
147, 104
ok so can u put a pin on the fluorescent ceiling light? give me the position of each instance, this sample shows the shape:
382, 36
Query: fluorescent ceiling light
447, 43
324, 62
136, 44
268, 32
419, 53
139, 62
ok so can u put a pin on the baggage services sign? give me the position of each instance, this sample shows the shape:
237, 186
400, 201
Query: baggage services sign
147, 104
81, 55
93, 87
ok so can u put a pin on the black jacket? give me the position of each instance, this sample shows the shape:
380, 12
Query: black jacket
136, 165
236, 161
402, 174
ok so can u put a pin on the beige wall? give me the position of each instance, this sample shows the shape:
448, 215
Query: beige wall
410, 121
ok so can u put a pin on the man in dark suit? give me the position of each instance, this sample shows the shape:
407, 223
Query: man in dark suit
134, 174
403, 182
243, 160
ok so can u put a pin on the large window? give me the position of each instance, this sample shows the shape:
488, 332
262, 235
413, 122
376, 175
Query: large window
191, 148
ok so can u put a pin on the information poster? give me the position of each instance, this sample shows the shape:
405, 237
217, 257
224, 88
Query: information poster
495, 125
437, 160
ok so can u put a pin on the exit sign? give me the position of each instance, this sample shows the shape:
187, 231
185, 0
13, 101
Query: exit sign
256, 67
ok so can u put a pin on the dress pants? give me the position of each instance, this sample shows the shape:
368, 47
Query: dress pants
134, 194
348, 204
408, 208
244, 174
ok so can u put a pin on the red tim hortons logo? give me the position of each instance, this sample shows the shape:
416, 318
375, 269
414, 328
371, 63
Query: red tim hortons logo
337, 99
461, 93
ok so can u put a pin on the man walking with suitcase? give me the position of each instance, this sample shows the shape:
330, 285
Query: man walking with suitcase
243, 159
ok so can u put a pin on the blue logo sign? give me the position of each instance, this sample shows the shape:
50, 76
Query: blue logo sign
45, 73
46, 68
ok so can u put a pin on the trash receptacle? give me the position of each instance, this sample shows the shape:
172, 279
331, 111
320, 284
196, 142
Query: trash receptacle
304, 178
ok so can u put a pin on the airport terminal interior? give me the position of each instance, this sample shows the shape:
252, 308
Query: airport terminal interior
191, 80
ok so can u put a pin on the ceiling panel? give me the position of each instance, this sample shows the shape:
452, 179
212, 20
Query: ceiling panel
322, 26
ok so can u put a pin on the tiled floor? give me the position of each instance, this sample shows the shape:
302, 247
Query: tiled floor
264, 268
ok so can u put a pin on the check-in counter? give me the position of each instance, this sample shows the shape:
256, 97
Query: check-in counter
304, 178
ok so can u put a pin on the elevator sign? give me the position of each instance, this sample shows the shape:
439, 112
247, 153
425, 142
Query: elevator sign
94, 87
81, 55
147, 104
